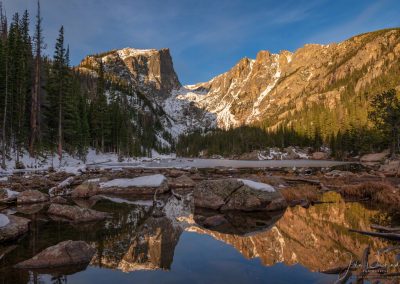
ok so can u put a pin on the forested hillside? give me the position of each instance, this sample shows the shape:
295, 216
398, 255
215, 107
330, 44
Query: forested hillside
48, 107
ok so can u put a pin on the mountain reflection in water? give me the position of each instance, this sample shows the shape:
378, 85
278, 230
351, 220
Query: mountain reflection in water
177, 247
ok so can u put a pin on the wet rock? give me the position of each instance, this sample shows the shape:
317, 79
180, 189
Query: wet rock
144, 185
59, 200
66, 253
214, 221
7, 195
319, 156
337, 173
75, 213
234, 194
181, 182
32, 196
11, 227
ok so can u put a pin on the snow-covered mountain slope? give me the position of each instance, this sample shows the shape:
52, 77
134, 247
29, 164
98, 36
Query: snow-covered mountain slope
272, 89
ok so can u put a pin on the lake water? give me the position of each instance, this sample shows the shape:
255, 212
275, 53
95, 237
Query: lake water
135, 247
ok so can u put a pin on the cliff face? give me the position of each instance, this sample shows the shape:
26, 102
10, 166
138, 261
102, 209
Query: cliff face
149, 71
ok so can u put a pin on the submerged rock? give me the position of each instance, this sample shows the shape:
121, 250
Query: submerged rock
63, 254
11, 227
32, 196
236, 194
75, 213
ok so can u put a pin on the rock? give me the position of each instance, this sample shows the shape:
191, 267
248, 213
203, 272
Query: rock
241, 195
144, 185
87, 189
213, 194
32, 196
75, 213
66, 253
59, 200
338, 173
391, 168
319, 156
375, 158
175, 173
7, 195
249, 199
30, 209
11, 227
181, 182
291, 153
214, 221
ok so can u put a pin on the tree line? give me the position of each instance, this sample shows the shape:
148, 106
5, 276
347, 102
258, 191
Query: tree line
381, 132
46, 106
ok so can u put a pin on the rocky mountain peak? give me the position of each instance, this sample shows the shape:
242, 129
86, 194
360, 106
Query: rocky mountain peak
151, 71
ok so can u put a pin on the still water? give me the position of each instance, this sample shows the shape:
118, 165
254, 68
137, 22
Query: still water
136, 247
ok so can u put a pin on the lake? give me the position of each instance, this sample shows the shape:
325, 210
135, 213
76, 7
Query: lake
135, 247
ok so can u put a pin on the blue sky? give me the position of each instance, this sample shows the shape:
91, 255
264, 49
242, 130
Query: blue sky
206, 37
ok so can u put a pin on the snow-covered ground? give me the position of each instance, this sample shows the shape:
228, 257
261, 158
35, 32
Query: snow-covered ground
144, 181
74, 165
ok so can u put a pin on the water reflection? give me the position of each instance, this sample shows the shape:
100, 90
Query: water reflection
135, 240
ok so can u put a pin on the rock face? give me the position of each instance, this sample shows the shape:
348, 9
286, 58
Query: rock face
150, 70
32, 196
75, 213
12, 227
63, 254
234, 194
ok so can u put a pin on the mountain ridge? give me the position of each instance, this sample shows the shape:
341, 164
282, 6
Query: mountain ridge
315, 82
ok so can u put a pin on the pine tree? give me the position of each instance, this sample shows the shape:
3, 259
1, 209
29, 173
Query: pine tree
35, 113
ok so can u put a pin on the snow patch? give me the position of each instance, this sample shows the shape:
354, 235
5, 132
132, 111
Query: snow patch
145, 181
4, 220
257, 185
126, 201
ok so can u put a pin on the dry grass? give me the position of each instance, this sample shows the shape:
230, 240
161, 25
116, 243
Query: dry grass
379, 192
301, 192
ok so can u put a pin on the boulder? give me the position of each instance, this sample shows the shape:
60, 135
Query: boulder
66, 253
11, 227
174, 173
375, 158
238, 194
319, 156
87, 189
212, 194
75, 213
181, 182
58, 200
144, 185
291, 153
214, 221
30, 209
391, 168
32, 196
7, 195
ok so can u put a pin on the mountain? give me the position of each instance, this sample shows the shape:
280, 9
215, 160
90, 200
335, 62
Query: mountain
317, 86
